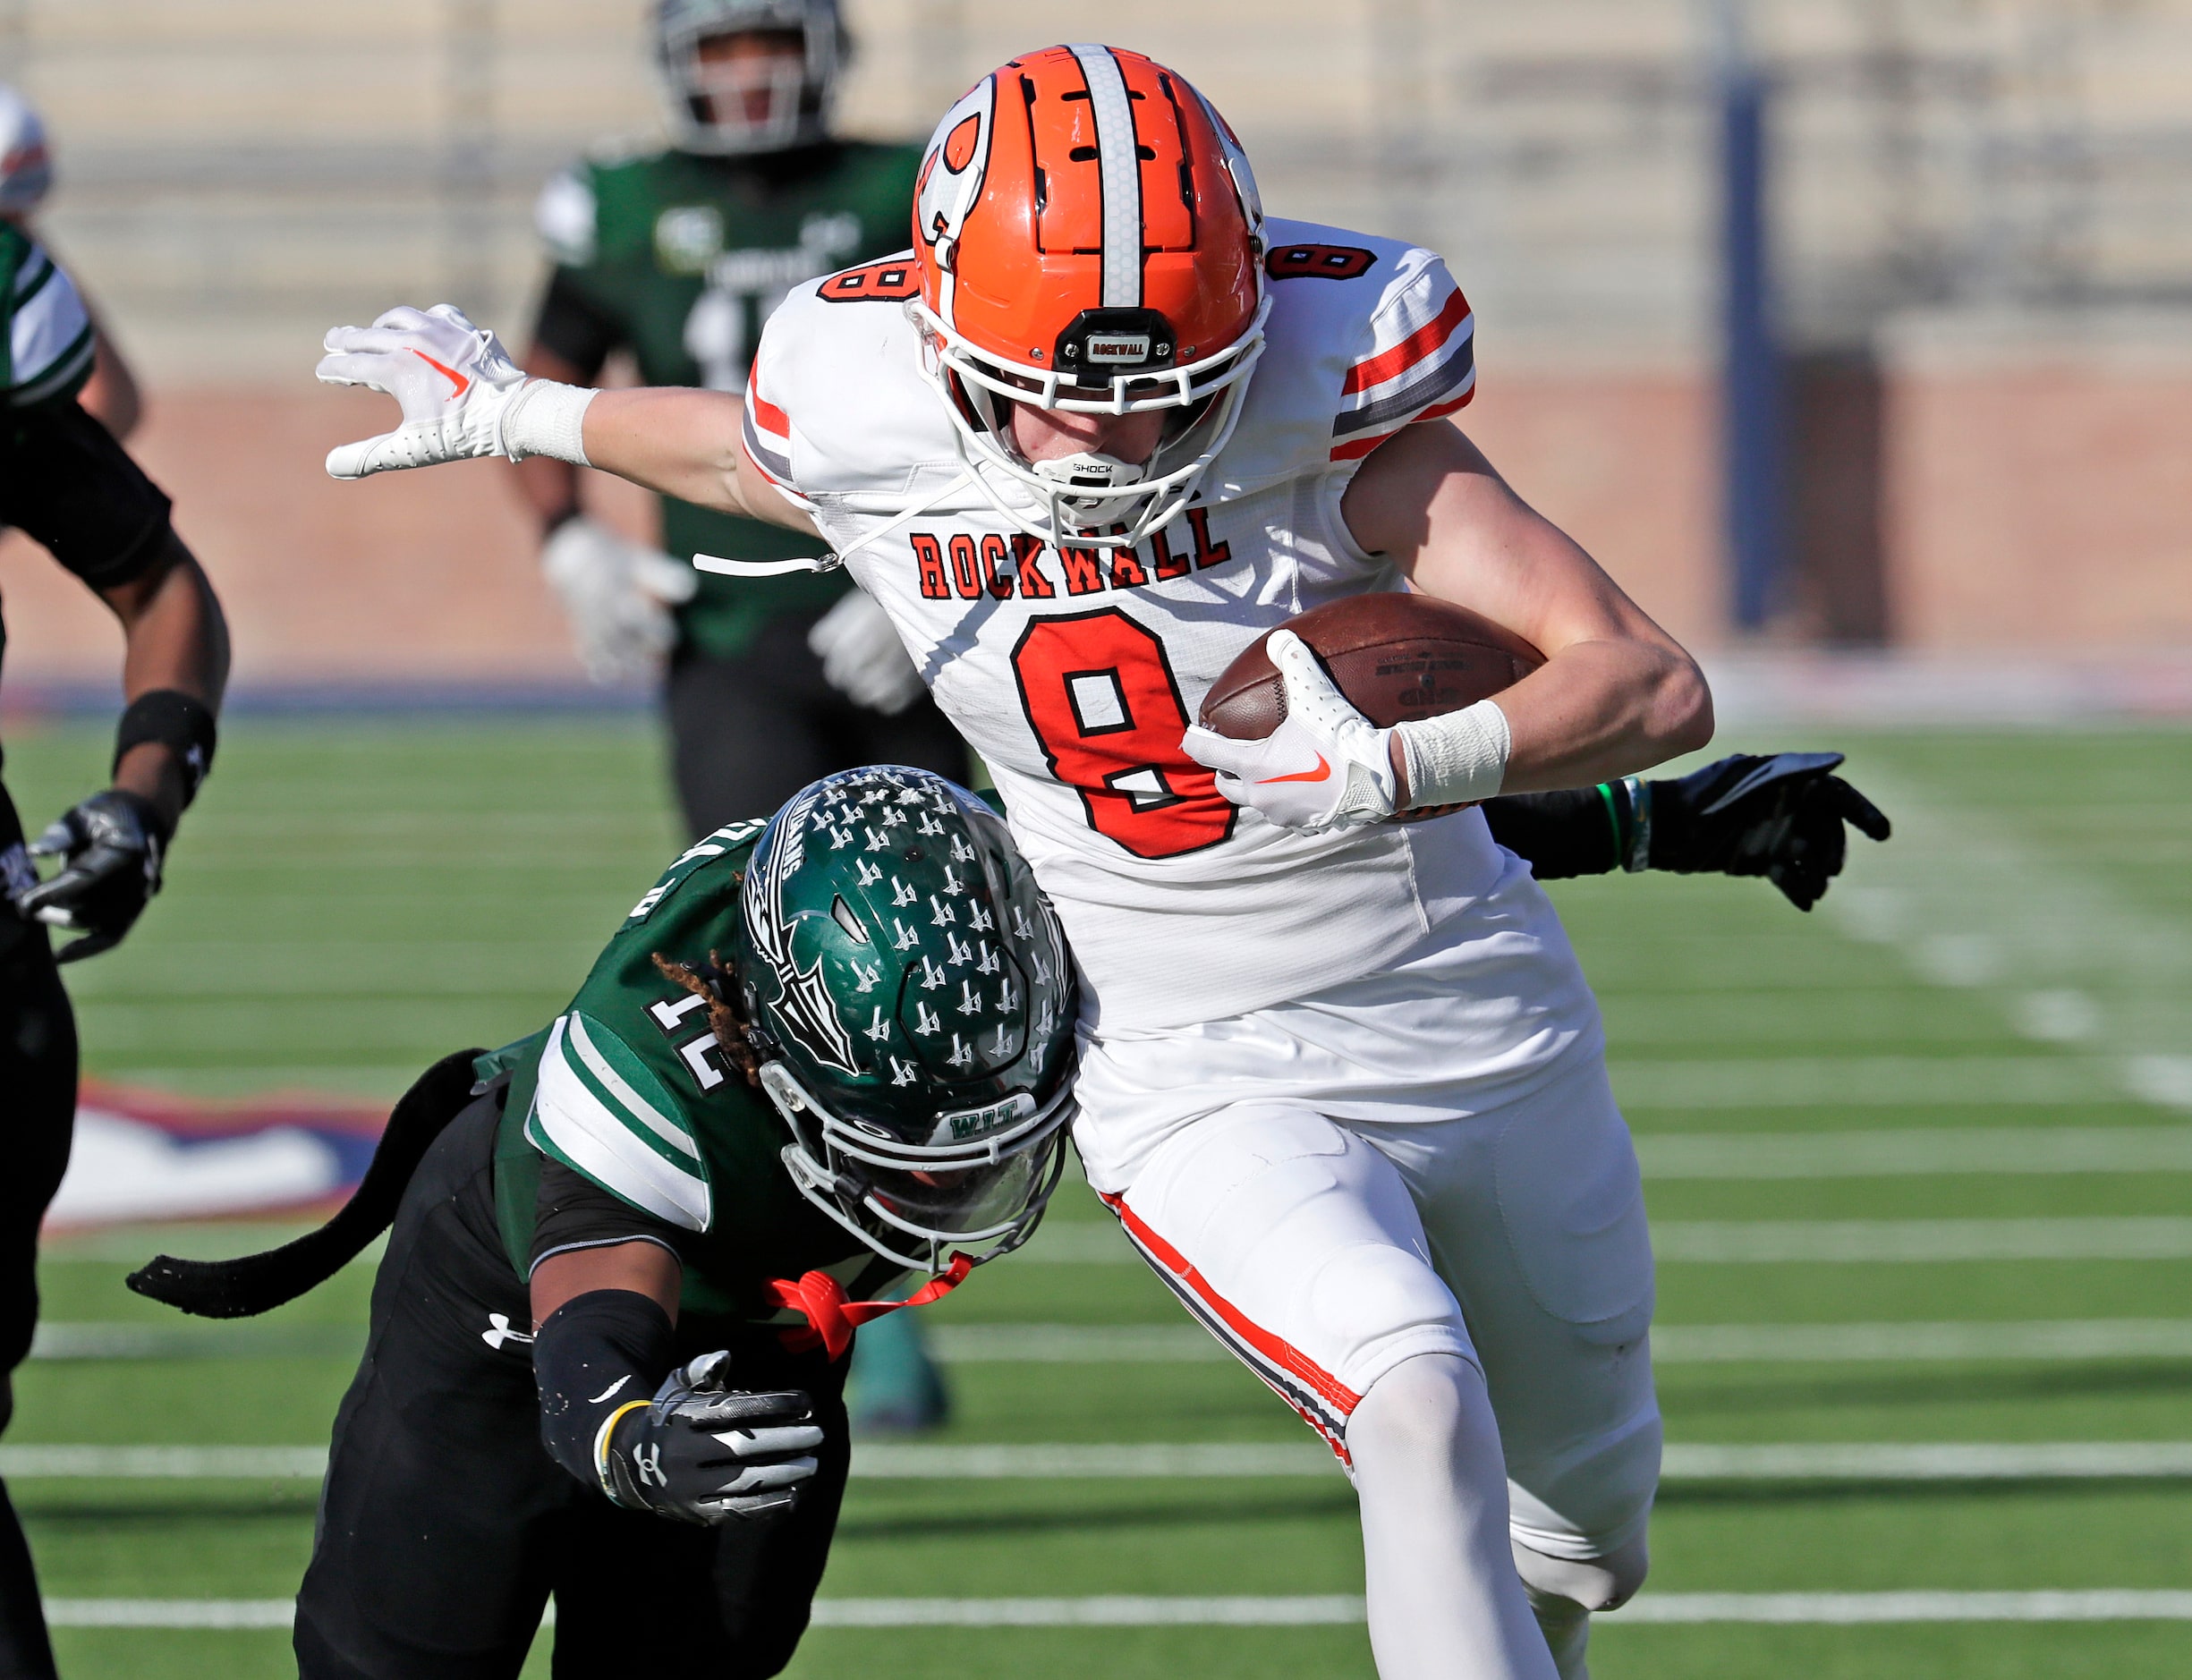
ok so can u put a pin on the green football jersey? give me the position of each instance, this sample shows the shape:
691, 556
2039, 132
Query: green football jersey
46, 344
687, 256
629, 1089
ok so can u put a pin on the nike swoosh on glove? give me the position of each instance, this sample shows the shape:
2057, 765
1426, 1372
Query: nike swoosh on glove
454, 381
1326, 767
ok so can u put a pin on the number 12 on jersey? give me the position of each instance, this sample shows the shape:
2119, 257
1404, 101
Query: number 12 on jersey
1100, 696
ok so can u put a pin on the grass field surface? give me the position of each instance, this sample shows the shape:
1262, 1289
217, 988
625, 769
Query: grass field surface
1921, 1165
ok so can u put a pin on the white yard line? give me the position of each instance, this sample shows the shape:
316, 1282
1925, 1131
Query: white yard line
1916, 1152
1742, 1242
1869, 1082
2066, 956
1857, 1460
1930, 1461
2043, 1339
1905, 1242
1188, 1344
1852, 1608
1291, 1610
155, 1464
1675, 1344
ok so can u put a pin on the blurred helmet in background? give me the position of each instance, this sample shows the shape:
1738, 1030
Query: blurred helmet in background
25, 167
730, 96
1090, 238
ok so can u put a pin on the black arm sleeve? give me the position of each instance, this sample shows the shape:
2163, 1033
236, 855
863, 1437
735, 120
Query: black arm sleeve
572, 1211
595, 1354
66, 481
572, 325
1559, 835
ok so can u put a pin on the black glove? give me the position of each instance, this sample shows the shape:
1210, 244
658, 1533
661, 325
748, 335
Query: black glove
1779, 817
111, 846
704, 1452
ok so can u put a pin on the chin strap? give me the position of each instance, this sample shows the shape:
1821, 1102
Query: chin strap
765, 568
831, 1319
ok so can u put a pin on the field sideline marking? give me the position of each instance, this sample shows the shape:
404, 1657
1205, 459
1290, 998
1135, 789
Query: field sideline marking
1292, 1610
1855, 1461
1749, 1242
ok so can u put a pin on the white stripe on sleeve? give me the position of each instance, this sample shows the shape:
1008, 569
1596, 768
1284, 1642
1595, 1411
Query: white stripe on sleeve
637, 1106
46, 334
600, 1143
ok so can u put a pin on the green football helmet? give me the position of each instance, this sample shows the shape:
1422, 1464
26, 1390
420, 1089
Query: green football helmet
710, 105
908, 989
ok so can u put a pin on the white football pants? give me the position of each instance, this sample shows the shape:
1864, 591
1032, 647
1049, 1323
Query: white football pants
1443, 1301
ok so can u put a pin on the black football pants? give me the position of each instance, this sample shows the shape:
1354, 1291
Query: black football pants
445, 1526
747, 734
38, 1113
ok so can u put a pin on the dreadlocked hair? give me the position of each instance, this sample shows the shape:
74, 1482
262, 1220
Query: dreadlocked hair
711, 980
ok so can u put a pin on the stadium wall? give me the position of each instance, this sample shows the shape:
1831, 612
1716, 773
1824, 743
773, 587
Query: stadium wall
2020, 506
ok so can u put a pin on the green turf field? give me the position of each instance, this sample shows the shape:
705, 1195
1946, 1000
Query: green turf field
1976, 1053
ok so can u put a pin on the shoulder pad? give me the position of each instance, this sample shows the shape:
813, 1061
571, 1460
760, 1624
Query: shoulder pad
1366, 335
837, 402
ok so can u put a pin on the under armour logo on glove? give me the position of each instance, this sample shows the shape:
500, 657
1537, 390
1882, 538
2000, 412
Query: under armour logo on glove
831, 1319
498, 1331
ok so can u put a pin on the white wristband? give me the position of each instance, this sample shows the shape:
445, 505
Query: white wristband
547, 419
1457, 758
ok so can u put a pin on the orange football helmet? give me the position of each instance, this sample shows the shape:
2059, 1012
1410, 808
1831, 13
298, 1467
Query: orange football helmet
1088, 238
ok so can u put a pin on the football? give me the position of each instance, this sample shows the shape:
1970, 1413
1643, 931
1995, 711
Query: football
1396, 656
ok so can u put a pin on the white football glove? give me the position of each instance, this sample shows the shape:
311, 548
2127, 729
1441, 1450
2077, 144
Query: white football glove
1326, 765
617, 594
454, 381
862, 657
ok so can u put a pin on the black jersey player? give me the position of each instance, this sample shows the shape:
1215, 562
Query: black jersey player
67, 483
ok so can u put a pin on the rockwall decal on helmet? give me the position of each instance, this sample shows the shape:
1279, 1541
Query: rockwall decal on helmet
911, 999
1090, 239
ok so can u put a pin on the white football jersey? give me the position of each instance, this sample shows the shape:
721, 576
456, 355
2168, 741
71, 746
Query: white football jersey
1075, 672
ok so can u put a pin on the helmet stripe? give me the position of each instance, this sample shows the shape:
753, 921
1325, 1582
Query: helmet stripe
1121, 175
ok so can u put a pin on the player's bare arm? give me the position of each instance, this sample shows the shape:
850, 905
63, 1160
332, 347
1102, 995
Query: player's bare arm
1616, 695
685, 444
174, 639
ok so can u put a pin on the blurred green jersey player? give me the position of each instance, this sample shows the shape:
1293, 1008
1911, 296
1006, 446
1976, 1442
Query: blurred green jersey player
676, 257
